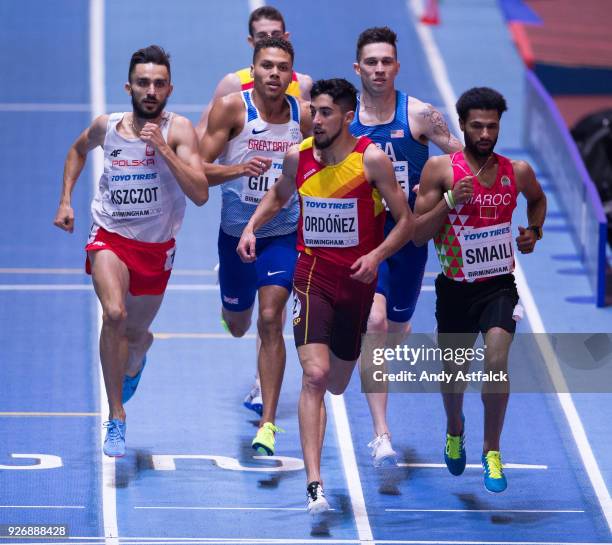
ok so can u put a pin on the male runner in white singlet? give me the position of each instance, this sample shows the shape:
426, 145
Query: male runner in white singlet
151, 162
250, 132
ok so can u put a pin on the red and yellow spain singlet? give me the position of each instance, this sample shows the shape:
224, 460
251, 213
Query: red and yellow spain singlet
246, 82
475, 242
341, 214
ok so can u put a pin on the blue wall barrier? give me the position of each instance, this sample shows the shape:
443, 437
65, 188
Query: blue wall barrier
548, 139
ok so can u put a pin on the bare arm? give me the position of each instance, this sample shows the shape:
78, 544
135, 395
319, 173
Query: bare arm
273, 201
431, 208
90, 138
430, 124
230, 83
226, 119
181, 156
305, 83
528, 185
379, 171
305, 119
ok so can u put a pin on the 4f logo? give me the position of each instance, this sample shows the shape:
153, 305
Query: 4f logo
115, 153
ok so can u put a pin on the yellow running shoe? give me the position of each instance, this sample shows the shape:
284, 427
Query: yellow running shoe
264, 440
494, 478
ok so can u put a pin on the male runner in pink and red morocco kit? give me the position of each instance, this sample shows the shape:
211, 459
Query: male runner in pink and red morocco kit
151, 162
466, 201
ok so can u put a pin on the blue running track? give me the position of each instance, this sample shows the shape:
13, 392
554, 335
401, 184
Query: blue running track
190, 475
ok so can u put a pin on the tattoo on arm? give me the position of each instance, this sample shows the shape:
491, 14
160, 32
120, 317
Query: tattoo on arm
435, 120
437, 130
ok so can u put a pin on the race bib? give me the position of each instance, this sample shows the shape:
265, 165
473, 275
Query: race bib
330, 223
401, 175
254, 188
134, 195
487, 251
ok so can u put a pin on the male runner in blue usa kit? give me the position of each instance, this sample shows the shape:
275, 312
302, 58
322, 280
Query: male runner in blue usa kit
402, 126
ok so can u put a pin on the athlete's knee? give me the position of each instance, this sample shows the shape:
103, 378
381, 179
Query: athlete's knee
497, 360
270, 320
114, 314
237, 328
377, 321
315, 378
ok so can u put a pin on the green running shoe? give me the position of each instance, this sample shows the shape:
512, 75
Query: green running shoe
494, 478
264, 440
454, 452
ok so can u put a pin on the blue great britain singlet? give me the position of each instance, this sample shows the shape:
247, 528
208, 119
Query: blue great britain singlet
396, 140
242, 195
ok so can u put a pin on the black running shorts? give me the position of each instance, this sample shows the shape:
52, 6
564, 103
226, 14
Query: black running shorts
472, 307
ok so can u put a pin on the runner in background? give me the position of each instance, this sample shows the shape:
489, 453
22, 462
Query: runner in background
264, 22
402, 126
249, 133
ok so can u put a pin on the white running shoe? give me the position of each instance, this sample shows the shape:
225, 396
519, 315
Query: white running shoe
253, 400
383, 454
317, 503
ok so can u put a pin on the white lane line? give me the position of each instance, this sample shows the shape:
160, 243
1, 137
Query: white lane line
89, 287
405, 542
533, 314
280, 541
197, 508
585, 450
31, 270
166, 336
43, 107
97, 67
81, 272
486, 510
351, 471
436, 62
60, 107
46, 414
42, 507
472, 466
46, 287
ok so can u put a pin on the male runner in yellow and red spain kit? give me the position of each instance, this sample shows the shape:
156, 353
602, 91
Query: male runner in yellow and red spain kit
341, 181
264, 22
151, 162
466, 201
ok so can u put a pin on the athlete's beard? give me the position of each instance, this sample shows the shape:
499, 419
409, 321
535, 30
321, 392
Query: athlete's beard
473, 148
145, 114
326, 143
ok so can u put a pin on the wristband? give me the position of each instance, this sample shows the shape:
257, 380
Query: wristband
448, 197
